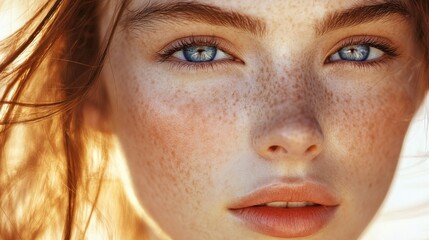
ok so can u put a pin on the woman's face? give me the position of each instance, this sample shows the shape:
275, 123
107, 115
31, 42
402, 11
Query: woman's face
262, 119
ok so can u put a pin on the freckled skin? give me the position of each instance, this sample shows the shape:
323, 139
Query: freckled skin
195, 140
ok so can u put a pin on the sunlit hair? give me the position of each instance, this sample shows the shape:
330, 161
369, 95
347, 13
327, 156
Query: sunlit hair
50, 179
53, 170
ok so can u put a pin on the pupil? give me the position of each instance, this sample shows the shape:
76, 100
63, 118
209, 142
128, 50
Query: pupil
199, 53
355, 53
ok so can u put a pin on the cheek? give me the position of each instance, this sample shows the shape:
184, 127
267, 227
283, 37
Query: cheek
375, 123
364, 129
175, 141
366, 133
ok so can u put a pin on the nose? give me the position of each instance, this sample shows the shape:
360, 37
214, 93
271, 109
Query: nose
299, 138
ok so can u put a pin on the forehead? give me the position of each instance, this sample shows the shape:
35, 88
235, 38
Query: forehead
258, 16
272, 9
256, 6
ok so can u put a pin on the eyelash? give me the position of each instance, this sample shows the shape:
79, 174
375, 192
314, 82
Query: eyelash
389, 51
165, 54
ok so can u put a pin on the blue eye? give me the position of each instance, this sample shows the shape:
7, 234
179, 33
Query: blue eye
199, 54
354, 53
357, 53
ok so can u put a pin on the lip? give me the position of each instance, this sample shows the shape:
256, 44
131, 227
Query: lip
287, 222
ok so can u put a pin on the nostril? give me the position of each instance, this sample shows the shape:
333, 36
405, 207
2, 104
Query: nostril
311, 149
273, 148
276, 148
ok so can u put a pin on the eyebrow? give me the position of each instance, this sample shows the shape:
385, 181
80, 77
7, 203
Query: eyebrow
173, 12
361, 14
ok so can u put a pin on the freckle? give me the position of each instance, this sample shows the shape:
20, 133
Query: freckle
347, 100
173, 153
216, 100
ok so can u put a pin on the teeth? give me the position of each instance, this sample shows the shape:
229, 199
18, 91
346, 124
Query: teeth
289, 204
277, 204
299, 204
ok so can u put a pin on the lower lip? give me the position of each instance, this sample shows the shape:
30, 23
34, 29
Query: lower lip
286, 222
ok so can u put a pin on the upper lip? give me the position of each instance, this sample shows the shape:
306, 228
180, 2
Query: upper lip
313, 192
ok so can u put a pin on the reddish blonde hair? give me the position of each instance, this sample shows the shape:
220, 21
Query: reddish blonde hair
51, 65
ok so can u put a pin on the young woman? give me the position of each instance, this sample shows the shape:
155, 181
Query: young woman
237, 119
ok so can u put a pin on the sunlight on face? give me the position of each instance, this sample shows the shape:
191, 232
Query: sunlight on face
273, 119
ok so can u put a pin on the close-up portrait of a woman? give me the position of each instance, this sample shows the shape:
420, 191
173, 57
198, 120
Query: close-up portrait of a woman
203, 119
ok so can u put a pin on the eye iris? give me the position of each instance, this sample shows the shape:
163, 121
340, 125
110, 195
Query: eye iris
354, 53
199, 53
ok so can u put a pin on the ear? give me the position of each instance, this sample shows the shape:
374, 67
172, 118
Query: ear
96, 114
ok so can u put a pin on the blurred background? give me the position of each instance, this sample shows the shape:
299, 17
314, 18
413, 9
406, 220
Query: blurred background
405, 213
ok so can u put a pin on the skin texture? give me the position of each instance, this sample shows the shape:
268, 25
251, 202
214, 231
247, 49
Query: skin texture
197, 140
